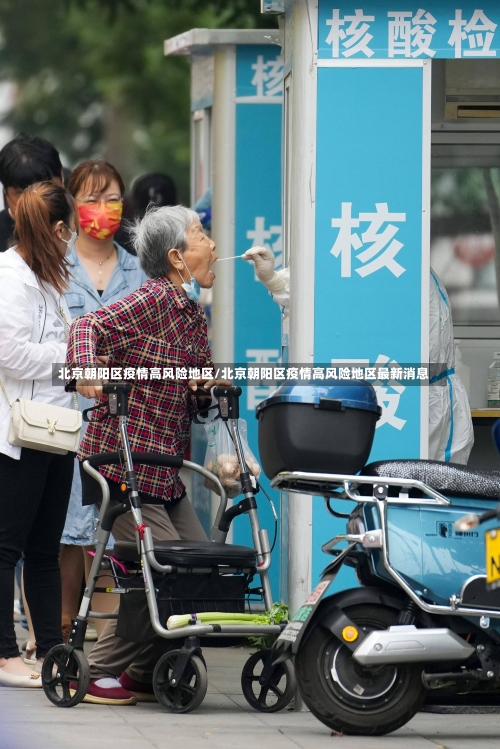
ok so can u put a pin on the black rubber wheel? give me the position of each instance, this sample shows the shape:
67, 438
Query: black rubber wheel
65, 676
273, 694
355, 699
191, 690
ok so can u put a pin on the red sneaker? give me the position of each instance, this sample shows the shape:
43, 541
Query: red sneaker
142, 691
107, 691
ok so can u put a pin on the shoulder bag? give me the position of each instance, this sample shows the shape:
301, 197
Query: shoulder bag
43, 426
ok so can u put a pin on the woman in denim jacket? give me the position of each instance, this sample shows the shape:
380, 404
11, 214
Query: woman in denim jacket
101, 272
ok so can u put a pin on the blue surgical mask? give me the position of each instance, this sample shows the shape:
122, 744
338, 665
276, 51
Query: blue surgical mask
70, 243
192, 288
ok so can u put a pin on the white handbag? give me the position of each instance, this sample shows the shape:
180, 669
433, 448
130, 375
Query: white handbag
43, 426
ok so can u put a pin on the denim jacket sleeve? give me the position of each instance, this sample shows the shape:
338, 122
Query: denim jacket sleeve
82, 297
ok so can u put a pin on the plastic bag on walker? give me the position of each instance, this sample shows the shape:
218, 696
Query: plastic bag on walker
221, 459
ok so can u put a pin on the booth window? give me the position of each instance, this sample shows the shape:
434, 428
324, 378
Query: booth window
465, 188
465, 240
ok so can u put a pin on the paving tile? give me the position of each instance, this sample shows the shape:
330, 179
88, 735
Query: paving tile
223, 721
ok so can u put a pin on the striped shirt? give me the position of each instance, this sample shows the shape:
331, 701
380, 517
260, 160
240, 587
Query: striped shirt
155, 326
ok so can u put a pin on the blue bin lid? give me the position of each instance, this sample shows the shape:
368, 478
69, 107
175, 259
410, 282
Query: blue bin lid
352, 394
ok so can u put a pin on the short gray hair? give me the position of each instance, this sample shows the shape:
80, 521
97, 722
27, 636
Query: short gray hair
161, 229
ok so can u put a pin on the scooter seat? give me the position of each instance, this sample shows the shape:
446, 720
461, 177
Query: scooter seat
190, 554
447, 478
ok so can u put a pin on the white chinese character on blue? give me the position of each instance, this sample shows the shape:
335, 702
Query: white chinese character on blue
257, 393
268, 76
388, 390
376, 246
478, 33
388, 397
351, 39
410, 35
271, 238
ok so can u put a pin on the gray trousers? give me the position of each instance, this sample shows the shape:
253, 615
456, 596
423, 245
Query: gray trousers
111, 655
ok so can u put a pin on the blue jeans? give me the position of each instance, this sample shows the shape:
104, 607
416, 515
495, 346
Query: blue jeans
80, 521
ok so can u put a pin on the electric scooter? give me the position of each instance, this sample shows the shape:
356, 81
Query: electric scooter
423, 620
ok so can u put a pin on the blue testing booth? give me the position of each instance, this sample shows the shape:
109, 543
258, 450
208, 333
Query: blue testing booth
391, 143
377, 129
236, 127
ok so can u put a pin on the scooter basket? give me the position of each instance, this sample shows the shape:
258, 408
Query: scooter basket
320, 428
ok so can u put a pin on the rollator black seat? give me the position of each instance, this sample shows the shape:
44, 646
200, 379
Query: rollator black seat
190, 554
446, 478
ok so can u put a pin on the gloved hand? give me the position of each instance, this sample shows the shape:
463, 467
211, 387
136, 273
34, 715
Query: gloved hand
263, 260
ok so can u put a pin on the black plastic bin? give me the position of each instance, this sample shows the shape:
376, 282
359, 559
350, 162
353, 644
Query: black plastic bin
323, 428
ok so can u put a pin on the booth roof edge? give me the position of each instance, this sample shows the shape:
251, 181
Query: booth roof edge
188, 42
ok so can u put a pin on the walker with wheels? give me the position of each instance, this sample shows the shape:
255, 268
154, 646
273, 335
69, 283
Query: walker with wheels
177, 577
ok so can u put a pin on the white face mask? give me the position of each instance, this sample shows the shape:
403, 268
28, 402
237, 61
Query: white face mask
70, 243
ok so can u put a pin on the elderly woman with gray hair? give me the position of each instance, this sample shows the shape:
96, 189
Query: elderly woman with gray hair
159, 325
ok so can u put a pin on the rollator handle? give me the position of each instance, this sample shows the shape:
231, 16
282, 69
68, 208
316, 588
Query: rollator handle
152, 459
116, 387
108, 387
117, 393
229, 403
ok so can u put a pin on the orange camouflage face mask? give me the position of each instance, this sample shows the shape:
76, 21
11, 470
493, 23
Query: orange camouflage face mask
100, 220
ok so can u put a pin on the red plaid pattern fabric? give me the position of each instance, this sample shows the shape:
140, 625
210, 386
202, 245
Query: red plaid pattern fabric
155, 326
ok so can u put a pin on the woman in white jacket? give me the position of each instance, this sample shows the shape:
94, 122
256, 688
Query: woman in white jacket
35, 485
451, 435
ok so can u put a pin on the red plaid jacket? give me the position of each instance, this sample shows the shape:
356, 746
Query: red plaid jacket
155, 326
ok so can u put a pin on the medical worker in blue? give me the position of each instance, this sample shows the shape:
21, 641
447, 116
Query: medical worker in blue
451, 434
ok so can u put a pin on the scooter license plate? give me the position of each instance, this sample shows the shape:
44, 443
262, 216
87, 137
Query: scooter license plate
492, 545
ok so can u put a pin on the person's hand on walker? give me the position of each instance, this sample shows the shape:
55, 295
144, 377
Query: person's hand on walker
92, 388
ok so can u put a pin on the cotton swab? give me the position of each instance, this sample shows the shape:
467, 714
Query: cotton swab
228, 258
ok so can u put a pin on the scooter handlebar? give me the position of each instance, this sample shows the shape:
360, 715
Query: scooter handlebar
467, 522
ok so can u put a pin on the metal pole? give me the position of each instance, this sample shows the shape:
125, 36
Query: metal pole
223, 201
224, 136
301, 32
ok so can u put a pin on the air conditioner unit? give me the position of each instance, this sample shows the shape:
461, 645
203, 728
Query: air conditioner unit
472, 105
472, 89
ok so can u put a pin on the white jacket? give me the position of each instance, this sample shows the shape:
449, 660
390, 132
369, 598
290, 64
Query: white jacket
25, 361
451, 434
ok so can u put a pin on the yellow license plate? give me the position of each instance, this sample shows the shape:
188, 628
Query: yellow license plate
492, 543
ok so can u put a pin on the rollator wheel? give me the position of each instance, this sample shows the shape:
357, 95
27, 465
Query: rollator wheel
276, 691
351, 698
189, 693
65, 676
